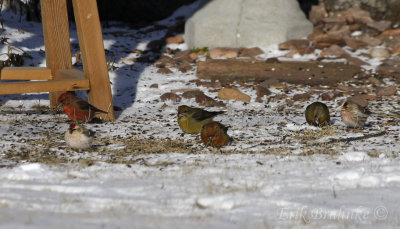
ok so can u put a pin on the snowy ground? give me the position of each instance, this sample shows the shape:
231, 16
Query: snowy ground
144, 172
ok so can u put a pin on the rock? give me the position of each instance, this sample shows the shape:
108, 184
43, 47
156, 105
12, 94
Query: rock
354, 60
354, 43
378, 9
262, 91
191, 94
380, 25
204, 100
335, 19
317, 13
327, 96
396, 50
233, 93
338, 94
371, 41
193, 56
386, 91
271, 82
289, 101
165, 61
258, 100
272, 60
277, 97
224, 53
163, 106
184, 67
358, 100
164, 71
170, 96
389, 67
298, 46
336, 51
322, 40
374, 81
368, 97
174, 40
294, 44
358, 15
183, 56
333, 51
250, 52
379, 53
154, 85
340, 31
213, 84
228, 23
390, 33
182, 90
301, 97
350, 88
354, 27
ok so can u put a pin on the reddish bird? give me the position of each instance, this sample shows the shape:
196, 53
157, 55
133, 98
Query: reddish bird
214, 134
77, 109
354, 115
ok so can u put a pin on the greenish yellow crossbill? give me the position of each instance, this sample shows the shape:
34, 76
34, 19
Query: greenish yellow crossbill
317, 114
191, 119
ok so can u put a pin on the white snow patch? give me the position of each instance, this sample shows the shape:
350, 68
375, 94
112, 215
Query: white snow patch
218, 202
354, 156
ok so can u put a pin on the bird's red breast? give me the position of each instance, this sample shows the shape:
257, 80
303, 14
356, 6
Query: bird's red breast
214, 134
77, 109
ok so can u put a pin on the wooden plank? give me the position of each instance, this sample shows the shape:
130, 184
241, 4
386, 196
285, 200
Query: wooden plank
56, 37
297, 72
43, 86
69, 74
93, 56
25, 73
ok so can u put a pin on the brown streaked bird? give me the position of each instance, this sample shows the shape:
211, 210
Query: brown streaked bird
77, 109
215, 134
317, 114
354, 115
191, 119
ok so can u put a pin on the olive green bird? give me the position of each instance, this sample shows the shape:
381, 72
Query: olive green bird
317, 114
191, 119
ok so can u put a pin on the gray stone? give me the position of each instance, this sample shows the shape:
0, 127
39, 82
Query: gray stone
246, 23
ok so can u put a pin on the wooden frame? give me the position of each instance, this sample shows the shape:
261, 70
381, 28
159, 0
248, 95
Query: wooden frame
59, 76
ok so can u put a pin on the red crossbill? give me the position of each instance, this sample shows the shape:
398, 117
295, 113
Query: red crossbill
77, 109
214, 134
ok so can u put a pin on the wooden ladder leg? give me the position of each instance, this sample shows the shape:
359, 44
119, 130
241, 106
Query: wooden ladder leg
56, 38
93, 56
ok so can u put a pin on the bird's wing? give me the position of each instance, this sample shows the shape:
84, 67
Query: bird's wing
202, 115
83, 105
89, 133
